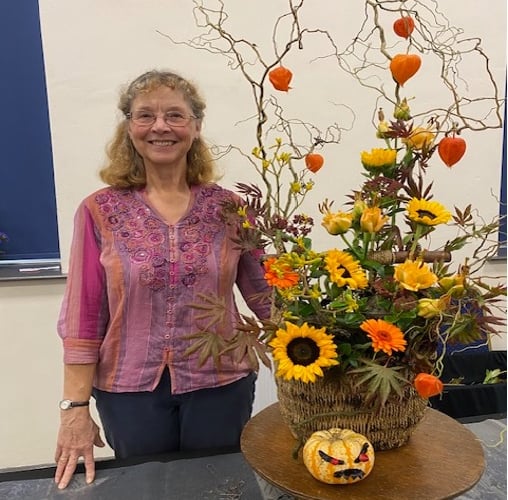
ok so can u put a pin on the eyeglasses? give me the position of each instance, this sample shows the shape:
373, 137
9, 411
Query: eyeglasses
172, 118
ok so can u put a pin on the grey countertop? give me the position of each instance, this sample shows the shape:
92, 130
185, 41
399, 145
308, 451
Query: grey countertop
221, 477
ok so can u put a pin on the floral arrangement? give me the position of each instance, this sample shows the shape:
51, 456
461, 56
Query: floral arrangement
380, 303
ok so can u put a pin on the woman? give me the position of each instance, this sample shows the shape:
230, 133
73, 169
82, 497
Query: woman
146, 250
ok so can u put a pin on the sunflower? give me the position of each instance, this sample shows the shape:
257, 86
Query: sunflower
414, 275
428, 213
302, 352
279, 274
385, 336
345, 270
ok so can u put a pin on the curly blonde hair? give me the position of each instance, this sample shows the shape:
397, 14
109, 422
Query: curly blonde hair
125, 167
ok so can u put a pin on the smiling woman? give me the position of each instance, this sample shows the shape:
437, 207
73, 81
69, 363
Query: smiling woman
146, 249
162, 128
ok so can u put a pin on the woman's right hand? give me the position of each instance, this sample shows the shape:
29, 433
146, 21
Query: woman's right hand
76, 438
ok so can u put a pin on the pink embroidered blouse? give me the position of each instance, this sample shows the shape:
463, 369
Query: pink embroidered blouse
132, 280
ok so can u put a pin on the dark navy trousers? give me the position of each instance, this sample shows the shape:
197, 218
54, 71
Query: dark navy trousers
146, 423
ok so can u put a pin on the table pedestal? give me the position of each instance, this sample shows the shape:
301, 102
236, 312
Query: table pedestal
441, 460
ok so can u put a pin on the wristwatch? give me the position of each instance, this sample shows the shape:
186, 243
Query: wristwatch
67, 404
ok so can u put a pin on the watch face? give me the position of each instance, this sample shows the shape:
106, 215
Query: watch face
65, 404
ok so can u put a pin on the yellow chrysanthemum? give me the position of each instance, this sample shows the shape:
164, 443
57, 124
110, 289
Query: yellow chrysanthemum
302, 351
414, 275
344, 270
385, 336
378, 158
429, 213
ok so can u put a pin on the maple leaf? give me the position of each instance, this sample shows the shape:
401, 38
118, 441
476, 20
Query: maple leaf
248, 343
213, 307
382, 380
208, 344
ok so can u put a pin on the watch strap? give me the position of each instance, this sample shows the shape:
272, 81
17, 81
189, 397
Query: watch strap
67, 404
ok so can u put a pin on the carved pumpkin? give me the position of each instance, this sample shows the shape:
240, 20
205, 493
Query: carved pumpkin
451, 150
280, 78
404, 26
314, 161
404, 66
338, 456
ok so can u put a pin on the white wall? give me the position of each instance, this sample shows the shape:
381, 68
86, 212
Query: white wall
92, 47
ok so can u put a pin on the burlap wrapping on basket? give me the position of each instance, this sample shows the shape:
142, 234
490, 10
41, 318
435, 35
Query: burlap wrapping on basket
328, 403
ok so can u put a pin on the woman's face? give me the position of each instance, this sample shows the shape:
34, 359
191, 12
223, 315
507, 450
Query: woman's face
161, 144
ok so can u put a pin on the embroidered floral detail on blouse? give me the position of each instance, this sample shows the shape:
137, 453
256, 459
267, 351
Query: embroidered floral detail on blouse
143, 237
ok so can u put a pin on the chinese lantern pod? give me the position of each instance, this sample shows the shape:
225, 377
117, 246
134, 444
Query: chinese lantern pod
404, 66
404, 26
314, 161
451, 150
280, 78
428, 385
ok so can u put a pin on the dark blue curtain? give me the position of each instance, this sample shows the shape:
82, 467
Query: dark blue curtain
27, 188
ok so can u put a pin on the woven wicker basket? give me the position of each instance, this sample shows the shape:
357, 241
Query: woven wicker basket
307, 408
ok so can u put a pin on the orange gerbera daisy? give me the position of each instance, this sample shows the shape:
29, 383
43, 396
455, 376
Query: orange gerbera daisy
385, 336
279, 274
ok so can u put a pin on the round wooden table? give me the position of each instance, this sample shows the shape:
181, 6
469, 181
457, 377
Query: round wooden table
441, 460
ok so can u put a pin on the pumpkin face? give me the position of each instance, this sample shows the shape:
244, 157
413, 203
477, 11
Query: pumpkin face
338, 456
